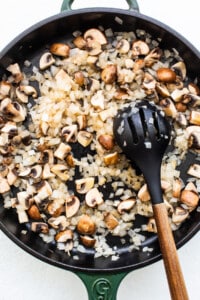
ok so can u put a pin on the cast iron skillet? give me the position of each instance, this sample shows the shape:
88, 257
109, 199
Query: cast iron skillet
96, 273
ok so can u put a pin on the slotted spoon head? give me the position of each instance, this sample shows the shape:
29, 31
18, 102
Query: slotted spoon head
143, 133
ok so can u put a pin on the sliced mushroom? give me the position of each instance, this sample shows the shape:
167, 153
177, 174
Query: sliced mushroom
111, 158
10, 128
181, 119
151, 225
195, 117
179, 215
106, 141
87, 241
176, 187
55, 208
177, 94
92, 84
194, 140
61, 171
15, 70
84, 138
82, 122
194, 170
166, 75
11, 176
110, 221
62, 151
139, 47
123, 46
5, 88
84, 185
93, 47
126, 205
95, 35
98, 100
168, 107
193, 89
13, 110
47, 157
60, 49
70, 160
149, 81
86, 225
181, 107
180, 69
109, 74
24, 91
162, 89
46, 61
79, 42
64, 236
36, 172
34, 212
70, 133
72, 205
153, 56
60, 222
24, 199
143, 194
93, 197
79, 78
40, 227
44, 191
46, 173
189, 196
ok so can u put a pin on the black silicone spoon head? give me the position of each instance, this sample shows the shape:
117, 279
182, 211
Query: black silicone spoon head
143, 133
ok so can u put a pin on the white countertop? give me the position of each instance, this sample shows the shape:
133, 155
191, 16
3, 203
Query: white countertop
23, 277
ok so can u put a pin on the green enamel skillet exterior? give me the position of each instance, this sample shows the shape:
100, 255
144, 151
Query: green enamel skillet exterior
102, 276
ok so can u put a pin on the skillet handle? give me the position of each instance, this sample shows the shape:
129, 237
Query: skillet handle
168, 249
101, 286
67, 5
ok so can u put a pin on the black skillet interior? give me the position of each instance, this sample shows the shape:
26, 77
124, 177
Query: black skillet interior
29, 45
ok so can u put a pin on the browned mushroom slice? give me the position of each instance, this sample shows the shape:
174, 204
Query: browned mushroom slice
64, 236
34, 212
189, 196
15, 70
139, 47
79, 42
109, 74
110, 221
60, 49
62, 151
13, 110
61, 171
194, 170
195, 117
123, 46
46, 61
84, 138
176, 187
166, 75
106, 141
149, 81
70, 133
168, 107
93, 197
111, 158
86, 225
72, 205
179, 215
39, 227
24, 91
59, 222
153, 56
87, 241
5, 88
151, 225
143, 194
126, 205
95, 35
84, 185
180, 69
93, 47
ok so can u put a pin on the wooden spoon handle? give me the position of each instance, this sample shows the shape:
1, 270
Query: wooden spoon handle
168, 249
